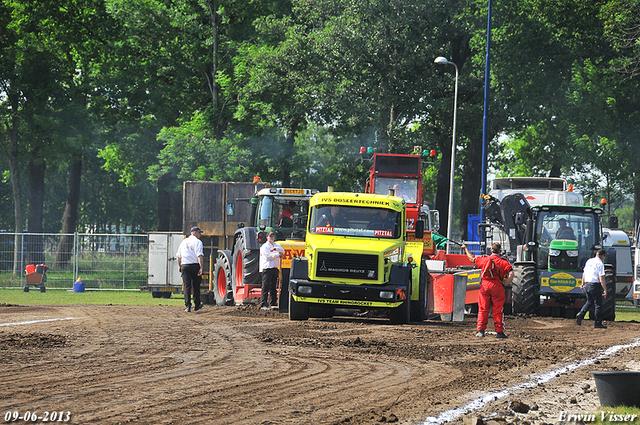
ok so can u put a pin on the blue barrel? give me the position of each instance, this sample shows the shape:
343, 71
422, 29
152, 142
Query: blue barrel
78, 287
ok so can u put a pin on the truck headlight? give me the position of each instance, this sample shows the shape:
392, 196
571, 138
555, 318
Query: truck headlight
304, 289
572, 253
386, 295
554, 253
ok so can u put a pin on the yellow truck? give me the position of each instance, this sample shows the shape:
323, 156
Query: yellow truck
358, 256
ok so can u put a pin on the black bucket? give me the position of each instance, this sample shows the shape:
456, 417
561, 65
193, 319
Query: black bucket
618, 387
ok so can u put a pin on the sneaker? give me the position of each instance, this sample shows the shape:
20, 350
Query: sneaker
501, 335
264, 308
188, 309
579, 318
198, 307
480, 334
599, 326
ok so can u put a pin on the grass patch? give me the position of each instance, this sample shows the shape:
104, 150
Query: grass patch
627, 312
65, 297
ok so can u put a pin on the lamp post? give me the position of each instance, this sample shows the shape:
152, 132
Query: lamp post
443, 61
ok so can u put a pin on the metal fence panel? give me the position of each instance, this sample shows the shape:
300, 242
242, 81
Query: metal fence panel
101, 261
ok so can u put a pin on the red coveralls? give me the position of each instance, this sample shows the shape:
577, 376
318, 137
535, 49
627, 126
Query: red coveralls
492, 292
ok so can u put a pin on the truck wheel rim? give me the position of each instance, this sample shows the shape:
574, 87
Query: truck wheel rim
222, 283
239, 262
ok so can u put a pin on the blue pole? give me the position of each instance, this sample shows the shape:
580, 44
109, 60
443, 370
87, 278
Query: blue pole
483, 187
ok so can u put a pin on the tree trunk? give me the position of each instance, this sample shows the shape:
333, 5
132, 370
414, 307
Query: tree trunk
636, 206
472, 185
70, 215
14, 175
35, 242
164, 204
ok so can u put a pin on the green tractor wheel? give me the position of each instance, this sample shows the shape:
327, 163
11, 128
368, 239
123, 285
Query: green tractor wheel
524, 284
609, 303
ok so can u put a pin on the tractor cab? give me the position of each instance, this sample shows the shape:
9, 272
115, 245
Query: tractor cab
564, 237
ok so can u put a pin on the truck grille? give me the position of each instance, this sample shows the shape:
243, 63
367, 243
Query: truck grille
348, 266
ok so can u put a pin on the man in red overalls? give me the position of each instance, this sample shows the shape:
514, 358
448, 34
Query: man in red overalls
493, 270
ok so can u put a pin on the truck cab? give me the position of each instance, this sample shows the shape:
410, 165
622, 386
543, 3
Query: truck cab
357, 256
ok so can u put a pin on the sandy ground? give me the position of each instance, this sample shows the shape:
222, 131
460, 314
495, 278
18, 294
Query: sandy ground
241, 365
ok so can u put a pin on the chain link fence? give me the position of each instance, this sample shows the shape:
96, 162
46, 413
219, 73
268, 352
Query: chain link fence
101, 261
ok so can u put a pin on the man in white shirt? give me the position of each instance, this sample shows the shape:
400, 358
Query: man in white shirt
270, 254
190, 255
595, 287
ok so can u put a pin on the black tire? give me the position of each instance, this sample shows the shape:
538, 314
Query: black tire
297, 311
156, 294
26, 289
283, 296
43, 289
609, 303
419, 307
524, 284
166, 295
222, 289
246, 264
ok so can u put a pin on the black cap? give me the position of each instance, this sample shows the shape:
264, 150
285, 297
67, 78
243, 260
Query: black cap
195, 229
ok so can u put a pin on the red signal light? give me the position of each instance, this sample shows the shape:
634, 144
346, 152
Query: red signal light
362, 150
432, 153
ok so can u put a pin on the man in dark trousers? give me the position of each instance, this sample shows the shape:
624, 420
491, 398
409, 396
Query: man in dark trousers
594, 285
190, 255
493, 271
270, 254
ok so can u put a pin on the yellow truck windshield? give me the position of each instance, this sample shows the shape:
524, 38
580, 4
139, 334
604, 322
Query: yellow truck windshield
355, 221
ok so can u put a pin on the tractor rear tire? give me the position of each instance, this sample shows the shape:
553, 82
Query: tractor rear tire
419, 307
609, 303
297, 311
222, 279
524, 284
246, 264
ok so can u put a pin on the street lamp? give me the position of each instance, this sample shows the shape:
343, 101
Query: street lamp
443, 61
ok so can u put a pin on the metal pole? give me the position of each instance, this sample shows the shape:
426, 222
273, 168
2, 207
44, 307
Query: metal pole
124, 261
485, 118
453, 160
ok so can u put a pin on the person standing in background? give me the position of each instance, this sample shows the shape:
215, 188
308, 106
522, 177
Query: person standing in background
270, 254
190, 255
594, 285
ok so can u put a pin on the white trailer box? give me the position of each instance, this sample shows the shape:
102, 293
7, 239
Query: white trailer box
537, 190
163, 275
619, 240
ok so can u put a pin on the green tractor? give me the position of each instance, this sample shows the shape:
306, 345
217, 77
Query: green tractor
558, 240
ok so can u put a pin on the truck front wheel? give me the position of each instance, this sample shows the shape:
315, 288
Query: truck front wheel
402, 314
297, 311
419, 307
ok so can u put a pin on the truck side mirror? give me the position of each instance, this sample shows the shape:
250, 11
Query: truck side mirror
419, 229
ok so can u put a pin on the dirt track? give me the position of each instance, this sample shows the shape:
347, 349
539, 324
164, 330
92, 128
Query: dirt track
240, 365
